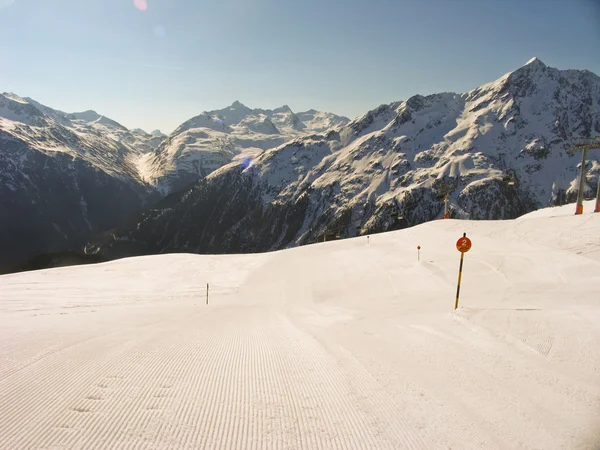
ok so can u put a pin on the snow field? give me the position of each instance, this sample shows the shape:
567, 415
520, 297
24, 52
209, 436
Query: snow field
342, 345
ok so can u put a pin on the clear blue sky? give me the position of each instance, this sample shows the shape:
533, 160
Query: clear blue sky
159, 67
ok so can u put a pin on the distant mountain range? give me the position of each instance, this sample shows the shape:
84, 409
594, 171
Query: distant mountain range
245, 180
67, 176
155, 133
214, 138
64, 177
497, 152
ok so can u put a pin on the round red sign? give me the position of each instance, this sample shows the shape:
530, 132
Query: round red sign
463, 244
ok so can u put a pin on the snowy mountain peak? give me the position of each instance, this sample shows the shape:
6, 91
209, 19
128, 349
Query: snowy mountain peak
92, 116
14, 97
17, 109
533, 68
231, 115
87, 116
237, 104
283, 111
535, 61
209, 120
155, 133
319, 121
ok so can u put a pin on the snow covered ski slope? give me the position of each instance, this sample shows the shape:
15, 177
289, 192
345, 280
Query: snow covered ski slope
342, 345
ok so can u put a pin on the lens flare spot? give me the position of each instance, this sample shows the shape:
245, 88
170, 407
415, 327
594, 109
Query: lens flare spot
246, 161
142, 5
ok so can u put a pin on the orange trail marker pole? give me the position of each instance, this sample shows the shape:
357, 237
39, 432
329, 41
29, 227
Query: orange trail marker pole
463, 245
584, 145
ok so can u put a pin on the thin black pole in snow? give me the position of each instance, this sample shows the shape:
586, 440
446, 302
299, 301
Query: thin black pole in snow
462, 257
579, 207
207, 293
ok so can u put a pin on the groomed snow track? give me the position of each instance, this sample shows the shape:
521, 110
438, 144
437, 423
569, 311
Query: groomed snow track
342, 345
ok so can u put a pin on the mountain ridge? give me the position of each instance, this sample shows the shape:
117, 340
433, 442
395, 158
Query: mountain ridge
66, 176
498, 151
211, 139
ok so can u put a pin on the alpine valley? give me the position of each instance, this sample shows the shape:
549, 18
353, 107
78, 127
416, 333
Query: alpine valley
66, 177
251, 180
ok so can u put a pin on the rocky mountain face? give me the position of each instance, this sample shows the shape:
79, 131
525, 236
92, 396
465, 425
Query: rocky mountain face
215, 138
64, 177
497, 152
67, 176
